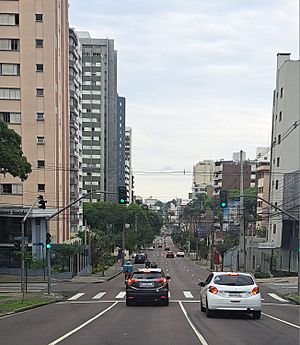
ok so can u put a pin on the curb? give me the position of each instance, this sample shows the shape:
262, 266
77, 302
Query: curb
113, 276
292, 300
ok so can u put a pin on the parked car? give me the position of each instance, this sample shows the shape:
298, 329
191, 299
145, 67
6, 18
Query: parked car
167, 248
170, 254
147, 285
230, 291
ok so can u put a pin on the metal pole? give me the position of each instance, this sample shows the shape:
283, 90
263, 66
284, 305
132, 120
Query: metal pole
23, 260
123, 243
242, 218
48, 253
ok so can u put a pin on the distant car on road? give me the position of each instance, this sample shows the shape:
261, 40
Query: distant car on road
159, 245
140, 259
180, 254
230, 291
167, 248
147, 285
170, 254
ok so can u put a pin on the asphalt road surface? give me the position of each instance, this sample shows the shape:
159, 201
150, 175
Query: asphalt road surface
97, 314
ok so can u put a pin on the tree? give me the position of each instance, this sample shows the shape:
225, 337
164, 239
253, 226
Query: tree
12, 160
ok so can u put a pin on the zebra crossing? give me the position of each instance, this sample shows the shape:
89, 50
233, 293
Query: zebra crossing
188, 295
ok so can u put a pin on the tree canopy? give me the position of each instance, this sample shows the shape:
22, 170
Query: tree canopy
12, 160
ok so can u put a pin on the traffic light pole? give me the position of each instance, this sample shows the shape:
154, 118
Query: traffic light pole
48, 254
23, 250
242, 259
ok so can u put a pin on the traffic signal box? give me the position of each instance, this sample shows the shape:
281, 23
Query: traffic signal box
42, 202
48, 241
223, 199
122, 195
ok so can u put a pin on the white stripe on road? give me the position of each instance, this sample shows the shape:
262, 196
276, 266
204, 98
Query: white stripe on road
276, 297
283, 321
188, 294
169, 294
99, 295
198, 334
78, 295
121, 294
83, 325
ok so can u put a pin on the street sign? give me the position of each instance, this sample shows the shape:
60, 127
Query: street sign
267, 245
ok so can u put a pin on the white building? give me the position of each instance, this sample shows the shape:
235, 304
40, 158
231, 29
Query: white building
202, 176
285, 138
128, 162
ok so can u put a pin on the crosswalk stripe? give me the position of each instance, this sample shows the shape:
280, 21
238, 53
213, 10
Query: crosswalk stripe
169, 294
99, 295
121, 294
188, 294
276, 297
78, 295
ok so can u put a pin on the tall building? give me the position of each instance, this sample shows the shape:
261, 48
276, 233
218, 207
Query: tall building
202, 176
121, 140
262, 209
128, 162
34, 101
75, 91
284, 149
99, 117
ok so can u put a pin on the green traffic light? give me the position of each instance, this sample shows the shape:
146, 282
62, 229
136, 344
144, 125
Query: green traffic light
49, 246
122, 201
223, 204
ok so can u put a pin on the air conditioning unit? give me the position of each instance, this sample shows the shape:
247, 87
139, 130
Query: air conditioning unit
40, 140
40, 116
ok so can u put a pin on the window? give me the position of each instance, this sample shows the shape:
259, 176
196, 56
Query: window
14, 118
9, 44
38, 17
276, 184
279, 139
9, 188
40, 116
40, 164
280, 115
39, 67
281, 92
9, 69
278, 162
39, 43
40, 92
40, 140
41, 187
10, 94
274, 228
9, 19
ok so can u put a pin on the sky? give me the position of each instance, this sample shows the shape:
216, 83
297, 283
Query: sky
198, 77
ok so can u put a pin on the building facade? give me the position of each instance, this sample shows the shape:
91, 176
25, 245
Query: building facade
128, 163
99, 117
262, 209
75, 91
202, 176
121, 140
285, 139
34, 101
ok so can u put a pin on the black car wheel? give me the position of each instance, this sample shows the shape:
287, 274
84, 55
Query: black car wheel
165, 302
203, 309
256, 315
129, 303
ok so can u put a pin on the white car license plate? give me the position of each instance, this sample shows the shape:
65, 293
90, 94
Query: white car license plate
235, 294
146, 284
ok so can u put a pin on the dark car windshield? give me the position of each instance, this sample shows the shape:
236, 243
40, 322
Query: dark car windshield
150, 275
233, 280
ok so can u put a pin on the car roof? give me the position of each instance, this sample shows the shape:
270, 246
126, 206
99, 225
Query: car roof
233, 273
149, 270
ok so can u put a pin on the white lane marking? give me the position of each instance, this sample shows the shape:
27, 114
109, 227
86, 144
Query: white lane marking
78, 295
99, 295
198, 334
188, 294
283, 321
121, 294
192, 275
276, 297
82, 325
187, 270
262, 299
169, 294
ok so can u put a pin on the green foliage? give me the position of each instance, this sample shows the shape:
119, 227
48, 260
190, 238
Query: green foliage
63, 253
12, 160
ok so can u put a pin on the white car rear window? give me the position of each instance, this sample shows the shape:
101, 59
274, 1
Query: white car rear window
233, 280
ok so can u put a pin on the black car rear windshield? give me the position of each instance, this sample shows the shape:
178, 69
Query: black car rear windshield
233, 280
150, 275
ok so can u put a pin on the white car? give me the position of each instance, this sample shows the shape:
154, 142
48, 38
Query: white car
230, 291
180, 254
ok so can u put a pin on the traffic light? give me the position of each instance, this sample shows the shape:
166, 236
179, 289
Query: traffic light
122, 195
42, 202
48, 241
223, 199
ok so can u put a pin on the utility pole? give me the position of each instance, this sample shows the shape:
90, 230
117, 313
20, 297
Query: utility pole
212, 243
242, 218
48, 254
136, 229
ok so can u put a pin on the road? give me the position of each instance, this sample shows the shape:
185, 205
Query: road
97, 314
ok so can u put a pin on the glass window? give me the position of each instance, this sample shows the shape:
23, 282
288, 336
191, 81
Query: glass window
9, 44
9, 69
40, 163
38, 17
10, 93
40, 116
9, 19
40, 140
41, 187
39, 67
39, 43
233, 280
14, 118
40, 92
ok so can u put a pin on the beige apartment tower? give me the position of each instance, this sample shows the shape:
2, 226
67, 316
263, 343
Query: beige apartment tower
34, 101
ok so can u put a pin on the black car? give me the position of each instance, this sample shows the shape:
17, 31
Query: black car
140, 259
147, 285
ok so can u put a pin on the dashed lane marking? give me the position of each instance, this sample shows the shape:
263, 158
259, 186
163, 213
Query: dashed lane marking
188, 294
99, 295
78, 295
121, 294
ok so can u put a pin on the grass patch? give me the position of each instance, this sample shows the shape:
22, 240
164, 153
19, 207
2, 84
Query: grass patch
294, 297
10, 306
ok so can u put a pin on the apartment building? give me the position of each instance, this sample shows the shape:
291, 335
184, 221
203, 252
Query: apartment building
75, 91
284, 166
34, 101
99, 117
121, 140
128, 162
202, 176
262, 209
